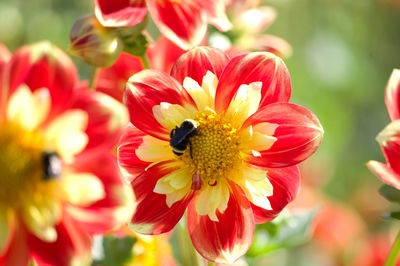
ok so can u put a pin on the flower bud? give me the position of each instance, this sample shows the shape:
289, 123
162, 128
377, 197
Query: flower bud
95, 44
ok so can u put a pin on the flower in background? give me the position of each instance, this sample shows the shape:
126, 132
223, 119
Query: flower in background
240, 166
389, 137
59, 182
152, 251
182, 21
249, 21
162, 54
373, 250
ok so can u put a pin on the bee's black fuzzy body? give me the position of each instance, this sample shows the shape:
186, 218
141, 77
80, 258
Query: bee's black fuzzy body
51, 165
180, 136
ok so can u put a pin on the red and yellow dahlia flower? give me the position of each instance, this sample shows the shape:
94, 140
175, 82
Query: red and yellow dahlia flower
182, 21
59, 182
240, 168
389, 137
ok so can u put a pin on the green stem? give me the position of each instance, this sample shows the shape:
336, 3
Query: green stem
394, 252
210, 263
93, 77
145, 61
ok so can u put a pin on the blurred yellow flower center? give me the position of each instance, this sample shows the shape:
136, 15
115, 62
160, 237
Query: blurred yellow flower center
215, 151
21, 164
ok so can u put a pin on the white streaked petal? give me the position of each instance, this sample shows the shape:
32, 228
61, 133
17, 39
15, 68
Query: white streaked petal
257, 138
172, 115
245, 103
200, 97
177, 195
28, 109
154, 150
66, 134
209, 85
175, 180
82, 189
253, 173
213, 198
41, 213
163, 187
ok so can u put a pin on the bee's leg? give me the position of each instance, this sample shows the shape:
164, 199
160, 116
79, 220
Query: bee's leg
190, 148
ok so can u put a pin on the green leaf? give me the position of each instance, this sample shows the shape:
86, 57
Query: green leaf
393, 215
390, 193
283, 232
117, 251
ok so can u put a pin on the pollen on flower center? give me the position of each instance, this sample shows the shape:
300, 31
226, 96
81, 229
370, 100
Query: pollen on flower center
215, 151
21, 166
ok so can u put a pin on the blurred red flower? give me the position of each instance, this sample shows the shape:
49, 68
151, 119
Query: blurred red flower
182, 21
240, 168
59, 182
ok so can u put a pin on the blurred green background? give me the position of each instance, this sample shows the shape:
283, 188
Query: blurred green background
343, 54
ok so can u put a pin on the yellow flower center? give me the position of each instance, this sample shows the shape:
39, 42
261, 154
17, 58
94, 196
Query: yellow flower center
21, 162
215, 151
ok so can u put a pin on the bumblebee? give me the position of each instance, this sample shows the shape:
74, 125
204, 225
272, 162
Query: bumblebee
52, 165
180, 136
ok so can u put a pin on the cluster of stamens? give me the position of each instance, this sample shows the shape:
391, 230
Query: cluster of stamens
21, 165
215, 151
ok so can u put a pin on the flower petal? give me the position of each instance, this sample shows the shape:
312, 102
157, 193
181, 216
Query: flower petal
286, 184
43, 65
392, 95
116, 205
255, 20
273, 44
111, 80
172, 115
216, 13
120, 13
106, 118
389, 140
40, 214
5, 55
298, 134
163, 53
152, 215
66, 134
183, 22
385, 173
82, 189
17, 252
147, 89
244, 104
129, 162
71, 247
7, 228
28, 109
255, 184
154, 150
196, 62
254, 67
228, 239
213, 198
